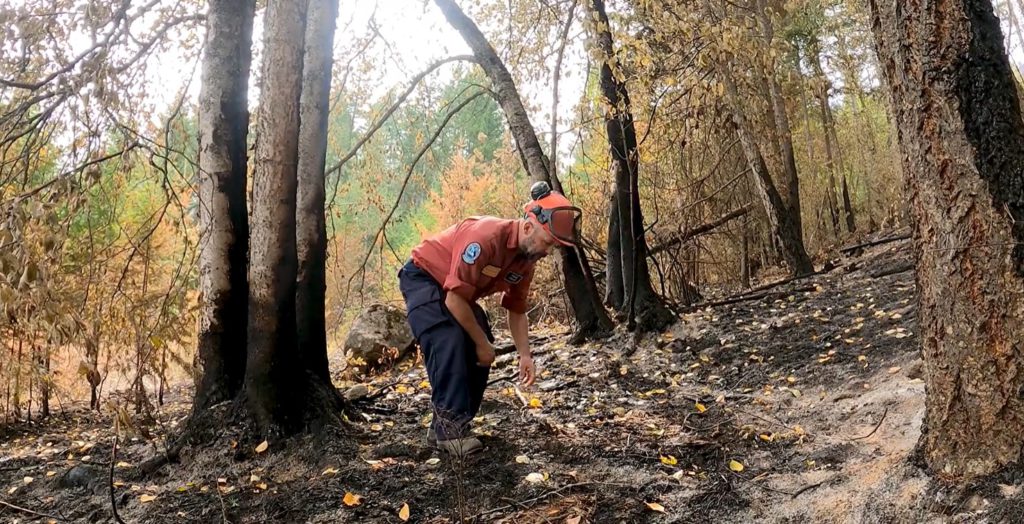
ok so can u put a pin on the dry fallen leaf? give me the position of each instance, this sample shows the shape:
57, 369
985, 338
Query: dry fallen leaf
522, 459
262, 447
433, 461
535, 403
735, 466
28, 480
669, 460
147, 498
404, 512
700, 407
573, 520
330, 471
535, 478
654, 506
352, 500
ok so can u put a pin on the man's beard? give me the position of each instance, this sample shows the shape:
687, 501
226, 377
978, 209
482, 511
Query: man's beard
531, 256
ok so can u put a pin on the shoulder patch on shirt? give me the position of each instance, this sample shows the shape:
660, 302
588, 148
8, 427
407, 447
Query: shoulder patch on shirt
491, 271
513, 278
471, 253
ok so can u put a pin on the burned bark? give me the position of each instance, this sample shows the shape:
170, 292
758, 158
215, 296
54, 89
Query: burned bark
311, 232
282, 393
223, 218
645, 308
784, 228
961, 138
591, 318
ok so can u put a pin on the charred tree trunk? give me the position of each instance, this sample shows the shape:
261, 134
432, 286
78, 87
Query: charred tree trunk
92, 365
784, 229
790, 180
282, 392
45, 382
591, 318
224, 227
833, 156
961, 137
311, 235
645, 308
615, 293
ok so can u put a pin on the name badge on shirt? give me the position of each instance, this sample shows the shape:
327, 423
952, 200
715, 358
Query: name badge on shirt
513, 278
491, 271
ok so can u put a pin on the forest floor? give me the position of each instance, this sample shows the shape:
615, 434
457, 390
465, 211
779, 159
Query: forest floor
801, 406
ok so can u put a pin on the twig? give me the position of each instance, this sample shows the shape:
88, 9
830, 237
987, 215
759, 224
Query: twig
30, 512
884, 413
113, 460
897, 238
810, 487
223, 508
383, 389
540, 497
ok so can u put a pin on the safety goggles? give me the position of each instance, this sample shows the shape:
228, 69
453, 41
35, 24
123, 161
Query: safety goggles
562, 222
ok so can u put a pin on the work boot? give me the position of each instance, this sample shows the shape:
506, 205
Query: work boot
460, 447
431, 437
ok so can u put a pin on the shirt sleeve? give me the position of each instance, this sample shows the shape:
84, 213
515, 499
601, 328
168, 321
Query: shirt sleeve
470, 253
514, 299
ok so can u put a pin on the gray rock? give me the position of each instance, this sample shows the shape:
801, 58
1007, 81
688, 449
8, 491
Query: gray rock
379, 337
82, 476
357, 392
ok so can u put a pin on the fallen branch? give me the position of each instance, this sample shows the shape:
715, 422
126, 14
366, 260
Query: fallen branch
850, 249
683, 236
28, 511
893, 270
748, 297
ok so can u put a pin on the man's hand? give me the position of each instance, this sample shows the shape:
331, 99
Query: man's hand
527, 370
485, 354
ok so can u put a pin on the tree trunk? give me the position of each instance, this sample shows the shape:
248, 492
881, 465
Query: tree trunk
45, 382
223, 218
615, 293
311, 235
745, 257
832, 150
591, 318
282, 392
646, 309
961, 139
784, 230
790, 180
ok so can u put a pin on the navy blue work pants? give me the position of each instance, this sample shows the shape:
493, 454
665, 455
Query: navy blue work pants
457, 382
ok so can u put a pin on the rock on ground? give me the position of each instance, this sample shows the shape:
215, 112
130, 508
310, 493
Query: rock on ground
379, 337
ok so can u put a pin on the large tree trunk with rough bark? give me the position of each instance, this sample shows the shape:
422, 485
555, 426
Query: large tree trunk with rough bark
591, 317
283, 394
311, 232
643, 306
223, 218
784, 228
961, 138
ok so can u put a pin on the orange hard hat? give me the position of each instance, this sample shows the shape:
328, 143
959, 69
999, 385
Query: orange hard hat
554, 213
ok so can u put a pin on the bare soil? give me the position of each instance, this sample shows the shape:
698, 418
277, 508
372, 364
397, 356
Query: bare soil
803, 406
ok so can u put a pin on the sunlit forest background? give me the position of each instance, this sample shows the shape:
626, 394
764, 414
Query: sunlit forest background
98, 205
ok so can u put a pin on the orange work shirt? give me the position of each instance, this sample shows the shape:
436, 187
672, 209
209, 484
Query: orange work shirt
479, 257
